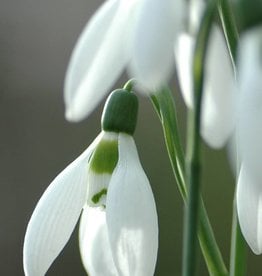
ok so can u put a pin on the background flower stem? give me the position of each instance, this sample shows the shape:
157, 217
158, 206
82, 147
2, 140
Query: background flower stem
164, 105
193, 166
238, 248
238, 244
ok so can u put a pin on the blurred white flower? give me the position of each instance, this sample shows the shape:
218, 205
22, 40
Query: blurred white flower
138, 34
218, 107
249, 133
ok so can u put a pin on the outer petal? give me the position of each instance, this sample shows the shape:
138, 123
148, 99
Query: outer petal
56, 215
184, 50
249, 207
98, 58
196, 9
249, 127
218, 111
218, 116
94, 244
249, 131
184, 58
87, 47
131, 215
154, 37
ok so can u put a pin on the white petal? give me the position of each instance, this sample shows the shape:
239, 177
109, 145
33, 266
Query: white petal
249, 131
249, 59
85, 51
98, 58
249, 125
98, 182
218, 108
94, 244
218, 113
154, 36
131, 214
219, 97
56, 215
249, 207
196, 9
184, 58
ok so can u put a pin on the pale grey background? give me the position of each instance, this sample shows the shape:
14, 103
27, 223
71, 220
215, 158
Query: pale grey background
36, 142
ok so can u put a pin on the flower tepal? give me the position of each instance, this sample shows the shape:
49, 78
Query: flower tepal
136, 35
249, 133
118, 227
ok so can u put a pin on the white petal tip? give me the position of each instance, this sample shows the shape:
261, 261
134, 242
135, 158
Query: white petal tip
76, 113
70, 116
249, 207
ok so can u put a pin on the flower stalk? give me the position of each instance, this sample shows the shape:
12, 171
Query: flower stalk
164, 105
238, 245
193, 169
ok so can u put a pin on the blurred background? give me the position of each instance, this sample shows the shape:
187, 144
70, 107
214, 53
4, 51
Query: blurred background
36, 142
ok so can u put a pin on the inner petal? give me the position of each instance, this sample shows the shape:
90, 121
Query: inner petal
100, 168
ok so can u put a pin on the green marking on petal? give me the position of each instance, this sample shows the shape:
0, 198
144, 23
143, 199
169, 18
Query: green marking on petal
97, 196
105, 157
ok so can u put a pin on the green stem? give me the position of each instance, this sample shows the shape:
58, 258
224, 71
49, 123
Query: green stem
209, 247
229, 26
238, 245
191, 218
165, 107
238, 248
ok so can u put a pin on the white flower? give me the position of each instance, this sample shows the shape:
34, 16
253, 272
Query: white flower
138, 34
218, 107
249, 133
118, 228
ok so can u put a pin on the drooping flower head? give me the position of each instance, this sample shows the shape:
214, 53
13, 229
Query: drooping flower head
135, 34
118, 229
218, 105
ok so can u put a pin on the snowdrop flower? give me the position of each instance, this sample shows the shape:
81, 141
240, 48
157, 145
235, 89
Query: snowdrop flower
138, 34
249, 133
118, 227
218, 108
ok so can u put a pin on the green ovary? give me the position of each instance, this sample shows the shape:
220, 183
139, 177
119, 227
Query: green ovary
105, 157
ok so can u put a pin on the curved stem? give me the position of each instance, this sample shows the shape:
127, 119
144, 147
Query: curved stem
164, 105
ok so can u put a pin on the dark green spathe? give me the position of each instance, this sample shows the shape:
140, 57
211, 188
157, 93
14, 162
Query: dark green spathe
105, 157
120, 112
